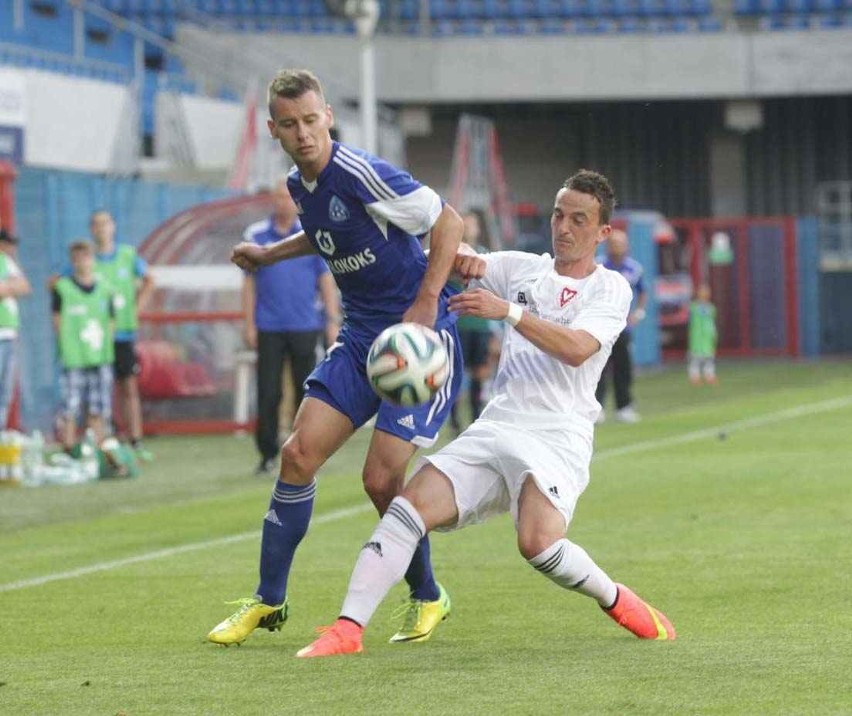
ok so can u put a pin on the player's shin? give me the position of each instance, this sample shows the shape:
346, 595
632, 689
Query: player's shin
383, 560
284, 526
569, 566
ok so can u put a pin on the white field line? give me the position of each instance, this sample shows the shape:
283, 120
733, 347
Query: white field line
758, 421
755, 422
170, 551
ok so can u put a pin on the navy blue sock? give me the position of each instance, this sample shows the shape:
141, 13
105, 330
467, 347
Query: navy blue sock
283, 528
419, 576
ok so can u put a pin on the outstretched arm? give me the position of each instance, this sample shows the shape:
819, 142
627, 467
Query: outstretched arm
444, 243
565, 344
250, 257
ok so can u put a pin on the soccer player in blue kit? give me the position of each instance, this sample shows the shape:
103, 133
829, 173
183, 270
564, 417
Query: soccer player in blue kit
363, 216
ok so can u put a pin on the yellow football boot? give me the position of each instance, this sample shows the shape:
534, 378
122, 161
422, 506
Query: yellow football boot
252, 614
421, 618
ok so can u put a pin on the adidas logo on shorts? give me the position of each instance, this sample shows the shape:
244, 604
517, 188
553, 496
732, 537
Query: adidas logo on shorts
406, 422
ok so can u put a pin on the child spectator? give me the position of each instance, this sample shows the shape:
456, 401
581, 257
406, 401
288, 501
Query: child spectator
702, 337
83, 319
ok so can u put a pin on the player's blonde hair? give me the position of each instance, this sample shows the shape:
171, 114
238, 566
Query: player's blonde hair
292, 84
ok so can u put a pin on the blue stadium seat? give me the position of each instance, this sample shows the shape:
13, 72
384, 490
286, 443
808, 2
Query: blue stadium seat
547, 8
746, 7
701, 8
471, 27
631, 25
570, 9
677, 8
682, 24
797, 22
651, 8
521, 9
709, 24
829, 22
468, 9
799, 6
624, 8
408, 10
771, 6
552, 26
506, 27
595, 26
827, 5
50, 29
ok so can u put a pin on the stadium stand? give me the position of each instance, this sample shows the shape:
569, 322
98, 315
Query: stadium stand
45, 36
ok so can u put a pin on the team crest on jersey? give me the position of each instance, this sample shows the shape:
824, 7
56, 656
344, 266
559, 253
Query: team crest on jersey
337, 210
325, 242
565, 296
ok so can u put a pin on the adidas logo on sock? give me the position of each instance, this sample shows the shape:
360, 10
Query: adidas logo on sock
272, 516
406, 422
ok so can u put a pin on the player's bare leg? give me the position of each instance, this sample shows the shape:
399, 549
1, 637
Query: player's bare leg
427, 502
540, 540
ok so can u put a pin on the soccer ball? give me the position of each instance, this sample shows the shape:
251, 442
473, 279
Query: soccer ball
407, 364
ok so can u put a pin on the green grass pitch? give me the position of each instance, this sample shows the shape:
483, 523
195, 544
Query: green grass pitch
729, 508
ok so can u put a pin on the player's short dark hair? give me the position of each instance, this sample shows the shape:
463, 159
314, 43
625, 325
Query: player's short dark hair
597, 185
81, 247
292, 84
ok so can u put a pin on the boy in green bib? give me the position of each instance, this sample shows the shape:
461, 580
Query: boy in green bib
83, 318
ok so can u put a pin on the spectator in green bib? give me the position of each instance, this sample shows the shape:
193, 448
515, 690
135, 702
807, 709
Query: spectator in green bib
83, 318
128, 274
13, 284
702, 338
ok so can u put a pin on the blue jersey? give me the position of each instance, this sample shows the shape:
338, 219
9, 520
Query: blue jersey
632, 270
287, 293
364, 217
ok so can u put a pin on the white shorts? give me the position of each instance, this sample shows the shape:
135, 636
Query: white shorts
489, 462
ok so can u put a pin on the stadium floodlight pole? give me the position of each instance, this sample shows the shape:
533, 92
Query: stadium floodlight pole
365, 14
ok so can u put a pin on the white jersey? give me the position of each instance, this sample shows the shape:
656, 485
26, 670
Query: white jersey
531, 388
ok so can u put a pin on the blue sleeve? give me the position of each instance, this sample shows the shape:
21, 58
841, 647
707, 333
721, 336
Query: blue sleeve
375, 179
640, 285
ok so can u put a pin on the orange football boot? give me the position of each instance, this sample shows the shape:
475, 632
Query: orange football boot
639, 617
342, 637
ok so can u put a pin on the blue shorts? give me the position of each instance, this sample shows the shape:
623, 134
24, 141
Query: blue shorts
340, 380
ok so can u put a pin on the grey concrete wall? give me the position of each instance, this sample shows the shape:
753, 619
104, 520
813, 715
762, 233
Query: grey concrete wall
540, 69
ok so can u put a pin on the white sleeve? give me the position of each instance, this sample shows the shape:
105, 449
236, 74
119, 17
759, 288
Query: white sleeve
499, 269
606, 317
415, 213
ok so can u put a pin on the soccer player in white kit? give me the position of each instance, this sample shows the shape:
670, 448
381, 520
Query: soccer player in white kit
529, 452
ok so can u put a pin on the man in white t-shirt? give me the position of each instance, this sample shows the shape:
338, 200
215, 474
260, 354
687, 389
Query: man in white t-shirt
529, 452
13, 284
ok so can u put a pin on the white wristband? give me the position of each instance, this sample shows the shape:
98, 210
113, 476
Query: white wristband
513, 317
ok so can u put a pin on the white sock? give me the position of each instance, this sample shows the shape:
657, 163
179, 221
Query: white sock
383, 560
570, 567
